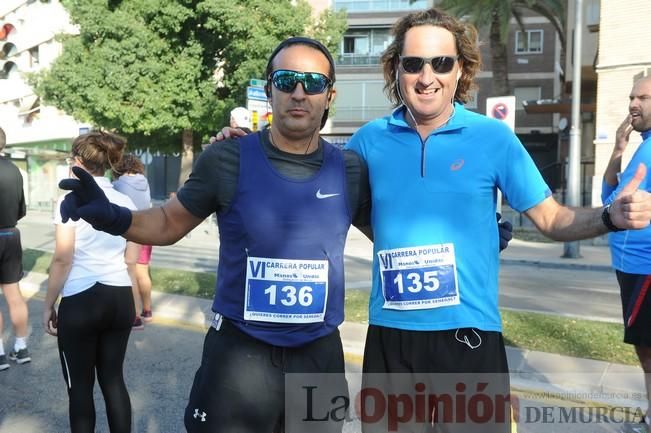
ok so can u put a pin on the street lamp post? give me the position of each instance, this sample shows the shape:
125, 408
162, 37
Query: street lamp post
571, 249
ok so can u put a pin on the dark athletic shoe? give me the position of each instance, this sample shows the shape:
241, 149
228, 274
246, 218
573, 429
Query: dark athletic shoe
138, 325
3, 362
146, 316
20, 357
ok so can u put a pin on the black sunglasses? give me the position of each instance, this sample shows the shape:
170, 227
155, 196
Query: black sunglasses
286, 81
440, 64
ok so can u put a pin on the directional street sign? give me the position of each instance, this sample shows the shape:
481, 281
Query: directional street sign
256, 93
254, 82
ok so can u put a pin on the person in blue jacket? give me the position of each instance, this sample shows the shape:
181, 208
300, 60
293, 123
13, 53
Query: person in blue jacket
631, 249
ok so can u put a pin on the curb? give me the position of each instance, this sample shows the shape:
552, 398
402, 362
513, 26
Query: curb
555, 265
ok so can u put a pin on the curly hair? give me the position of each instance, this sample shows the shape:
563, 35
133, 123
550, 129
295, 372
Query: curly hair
465, 36
99, 150
129, 164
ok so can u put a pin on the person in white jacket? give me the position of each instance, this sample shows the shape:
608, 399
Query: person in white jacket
129, 178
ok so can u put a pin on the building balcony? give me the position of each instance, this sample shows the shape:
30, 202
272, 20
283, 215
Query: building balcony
358, 60
359, 114
380, 5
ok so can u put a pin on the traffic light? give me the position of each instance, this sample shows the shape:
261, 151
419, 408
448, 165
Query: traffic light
7, 50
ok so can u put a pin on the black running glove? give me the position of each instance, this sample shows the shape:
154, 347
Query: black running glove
88, 202
505, 230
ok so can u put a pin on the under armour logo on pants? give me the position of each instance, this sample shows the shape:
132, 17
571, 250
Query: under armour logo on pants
202, 415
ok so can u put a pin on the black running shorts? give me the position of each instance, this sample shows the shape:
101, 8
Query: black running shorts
11, 256
242, 385
633, 302
420, 381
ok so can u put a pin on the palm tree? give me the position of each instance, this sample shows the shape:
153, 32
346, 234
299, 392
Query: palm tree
496, 15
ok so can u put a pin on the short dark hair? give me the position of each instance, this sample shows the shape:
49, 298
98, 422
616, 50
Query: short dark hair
465, 38
309, 42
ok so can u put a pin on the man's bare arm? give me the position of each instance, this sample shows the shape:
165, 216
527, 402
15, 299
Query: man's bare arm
631, 209
163, 225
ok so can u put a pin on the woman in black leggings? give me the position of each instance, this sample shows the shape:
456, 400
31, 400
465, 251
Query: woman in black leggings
92, 271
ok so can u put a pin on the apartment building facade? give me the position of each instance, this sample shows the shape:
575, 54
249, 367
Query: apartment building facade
624, 37
37, 135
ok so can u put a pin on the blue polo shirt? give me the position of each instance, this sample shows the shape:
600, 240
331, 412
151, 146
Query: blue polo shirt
631, 249
436, 247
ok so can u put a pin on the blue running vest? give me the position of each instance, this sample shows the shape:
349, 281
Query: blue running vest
289, 236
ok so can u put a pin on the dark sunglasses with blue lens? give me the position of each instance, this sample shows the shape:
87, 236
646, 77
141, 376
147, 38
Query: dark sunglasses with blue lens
440, 64
286, 81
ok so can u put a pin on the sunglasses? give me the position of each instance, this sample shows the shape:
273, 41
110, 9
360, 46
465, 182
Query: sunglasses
286, 81
440, 64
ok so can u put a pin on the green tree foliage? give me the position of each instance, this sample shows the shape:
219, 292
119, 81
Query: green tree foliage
157, 70
495, 15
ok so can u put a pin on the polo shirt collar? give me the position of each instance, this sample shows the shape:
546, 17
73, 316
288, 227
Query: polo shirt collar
457, 121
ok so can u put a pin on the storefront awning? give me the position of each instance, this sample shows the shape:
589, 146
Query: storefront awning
59, 145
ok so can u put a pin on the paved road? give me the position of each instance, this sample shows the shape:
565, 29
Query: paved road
561, 291
159, 368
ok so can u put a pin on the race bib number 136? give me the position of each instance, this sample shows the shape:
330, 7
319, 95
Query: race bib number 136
286, 291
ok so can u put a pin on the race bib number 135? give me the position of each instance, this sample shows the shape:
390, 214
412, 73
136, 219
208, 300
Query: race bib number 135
417, 278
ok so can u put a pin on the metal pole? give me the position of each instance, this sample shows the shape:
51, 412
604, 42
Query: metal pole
571, 249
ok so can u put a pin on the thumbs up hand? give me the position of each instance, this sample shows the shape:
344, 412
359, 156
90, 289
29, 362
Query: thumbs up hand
631, 209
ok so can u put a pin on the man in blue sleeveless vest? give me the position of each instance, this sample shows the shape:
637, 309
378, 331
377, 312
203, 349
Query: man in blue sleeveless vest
285, 199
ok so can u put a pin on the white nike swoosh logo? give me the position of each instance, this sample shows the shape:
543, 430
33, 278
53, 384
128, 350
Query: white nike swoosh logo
321, 196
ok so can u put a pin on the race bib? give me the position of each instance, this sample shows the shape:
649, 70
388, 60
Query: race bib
286, 291
418, 278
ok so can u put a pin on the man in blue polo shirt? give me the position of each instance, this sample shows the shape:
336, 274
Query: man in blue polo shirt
434, 170
631, 250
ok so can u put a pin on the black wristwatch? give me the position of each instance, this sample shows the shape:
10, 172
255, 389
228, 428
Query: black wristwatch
605, 218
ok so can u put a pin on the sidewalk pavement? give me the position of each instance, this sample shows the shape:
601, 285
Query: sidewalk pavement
544, 375
549, 255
